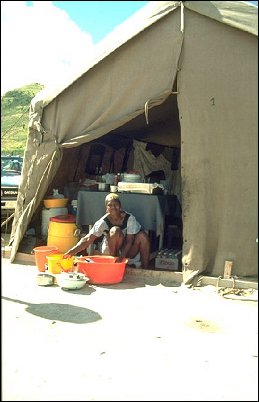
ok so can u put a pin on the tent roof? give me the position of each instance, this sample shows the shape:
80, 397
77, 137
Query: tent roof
238, 14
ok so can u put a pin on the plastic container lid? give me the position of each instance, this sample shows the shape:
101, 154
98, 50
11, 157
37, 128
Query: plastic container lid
64, 218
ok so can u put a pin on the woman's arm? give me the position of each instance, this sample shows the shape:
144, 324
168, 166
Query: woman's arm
96, 231
83, 243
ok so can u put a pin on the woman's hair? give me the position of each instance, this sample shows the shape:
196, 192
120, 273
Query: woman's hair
112, 196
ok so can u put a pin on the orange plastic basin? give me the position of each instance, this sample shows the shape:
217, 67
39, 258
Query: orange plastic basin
103, 270
55, 202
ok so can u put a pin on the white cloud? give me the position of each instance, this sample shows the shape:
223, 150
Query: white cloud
39, 43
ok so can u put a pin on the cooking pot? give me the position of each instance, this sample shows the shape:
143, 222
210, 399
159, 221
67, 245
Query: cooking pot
45, 279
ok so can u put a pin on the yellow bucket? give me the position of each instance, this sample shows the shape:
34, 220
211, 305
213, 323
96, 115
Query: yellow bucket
63, 232
57, 264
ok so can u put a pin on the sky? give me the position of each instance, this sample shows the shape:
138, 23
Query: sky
42, 41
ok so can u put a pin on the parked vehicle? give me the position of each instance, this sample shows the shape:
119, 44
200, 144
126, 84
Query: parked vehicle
11, 167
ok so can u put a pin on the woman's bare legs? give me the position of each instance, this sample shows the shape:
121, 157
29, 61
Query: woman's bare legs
142, 245
115, 240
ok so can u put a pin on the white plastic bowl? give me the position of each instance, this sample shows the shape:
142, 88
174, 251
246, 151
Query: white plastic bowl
71, 280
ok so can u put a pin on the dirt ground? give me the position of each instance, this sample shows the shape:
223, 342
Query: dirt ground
138, 340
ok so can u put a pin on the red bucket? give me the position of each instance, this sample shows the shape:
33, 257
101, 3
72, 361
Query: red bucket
41, 253
103, 270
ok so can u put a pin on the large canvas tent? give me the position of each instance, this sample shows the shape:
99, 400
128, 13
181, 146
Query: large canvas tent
177, 74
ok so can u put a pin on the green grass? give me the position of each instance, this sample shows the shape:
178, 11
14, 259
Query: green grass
15, 107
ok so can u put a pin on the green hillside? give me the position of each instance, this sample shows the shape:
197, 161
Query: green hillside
15, 107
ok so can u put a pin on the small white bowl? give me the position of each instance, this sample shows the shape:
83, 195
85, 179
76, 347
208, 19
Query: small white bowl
71, 280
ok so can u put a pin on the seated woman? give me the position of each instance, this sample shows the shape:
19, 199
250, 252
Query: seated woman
123, 235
